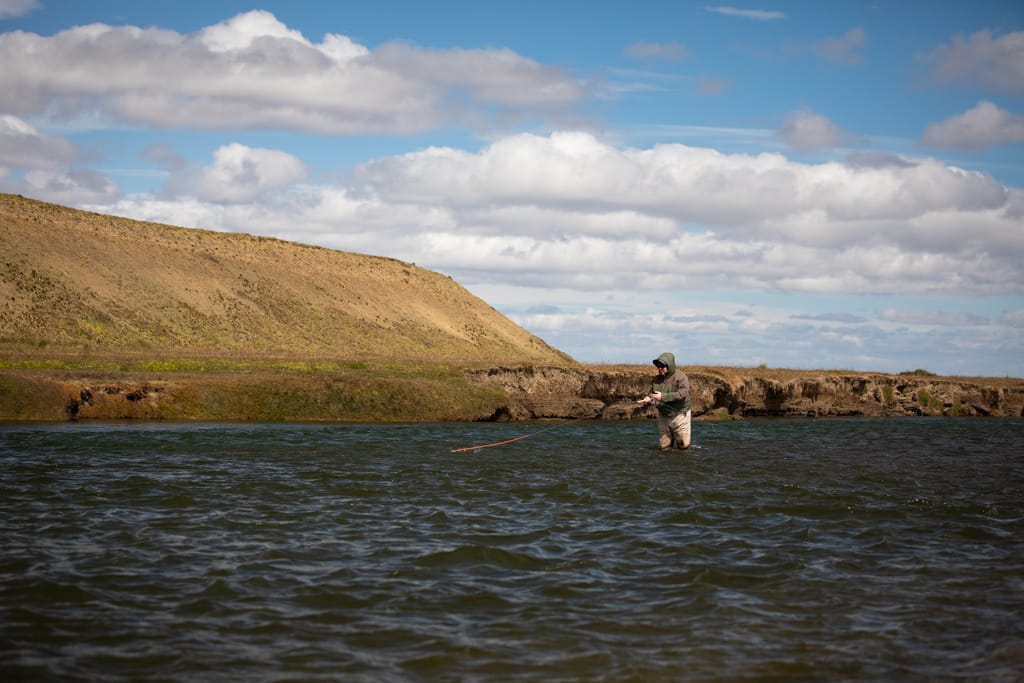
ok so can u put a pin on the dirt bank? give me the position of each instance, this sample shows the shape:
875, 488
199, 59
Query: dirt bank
536, 393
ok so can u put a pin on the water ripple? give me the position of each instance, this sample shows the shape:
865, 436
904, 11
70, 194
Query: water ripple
780, 549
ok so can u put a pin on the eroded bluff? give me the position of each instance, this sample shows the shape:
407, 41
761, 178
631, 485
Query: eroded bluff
566, 393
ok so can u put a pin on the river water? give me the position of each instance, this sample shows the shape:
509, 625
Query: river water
831, 550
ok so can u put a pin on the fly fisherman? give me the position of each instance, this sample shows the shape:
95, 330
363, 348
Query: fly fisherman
670, 394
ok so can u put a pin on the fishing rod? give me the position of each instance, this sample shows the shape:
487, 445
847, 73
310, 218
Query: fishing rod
506, 441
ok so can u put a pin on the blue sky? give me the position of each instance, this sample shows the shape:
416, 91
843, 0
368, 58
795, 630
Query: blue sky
835, 185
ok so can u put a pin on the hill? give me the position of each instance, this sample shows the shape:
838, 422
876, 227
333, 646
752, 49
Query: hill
77, 280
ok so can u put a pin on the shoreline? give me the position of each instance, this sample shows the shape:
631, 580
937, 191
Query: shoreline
416, 391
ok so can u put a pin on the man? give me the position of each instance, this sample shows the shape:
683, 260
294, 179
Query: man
670, 394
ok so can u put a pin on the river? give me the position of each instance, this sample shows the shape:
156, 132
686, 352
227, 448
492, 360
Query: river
803, 549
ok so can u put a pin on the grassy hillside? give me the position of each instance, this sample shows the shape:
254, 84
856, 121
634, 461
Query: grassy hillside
73, 282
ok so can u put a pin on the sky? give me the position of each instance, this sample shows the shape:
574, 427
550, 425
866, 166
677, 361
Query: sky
780, 183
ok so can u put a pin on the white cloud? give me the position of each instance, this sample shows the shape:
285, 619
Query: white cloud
499, 77
805, 130
933, 317
702, 330
981, 59
75, 187
42, 166
22, 146
986, 125
17, 8
241, 174
253, 71
757, 14
239, 33
742, 195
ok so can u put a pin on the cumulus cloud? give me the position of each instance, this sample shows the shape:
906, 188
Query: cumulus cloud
240, 174
737, 194
805, 130
985, 125
253, 71
982, 59
241, 32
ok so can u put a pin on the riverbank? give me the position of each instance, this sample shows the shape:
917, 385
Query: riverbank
609, 393
265, 389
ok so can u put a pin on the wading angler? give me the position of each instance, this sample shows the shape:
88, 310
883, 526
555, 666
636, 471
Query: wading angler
670, 394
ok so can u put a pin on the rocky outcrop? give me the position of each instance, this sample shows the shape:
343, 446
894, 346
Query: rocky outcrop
581, 393
121, 400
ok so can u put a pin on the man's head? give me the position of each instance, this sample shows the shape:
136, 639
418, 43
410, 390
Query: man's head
666, 364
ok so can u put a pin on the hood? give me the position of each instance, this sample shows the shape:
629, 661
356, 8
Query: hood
669, 360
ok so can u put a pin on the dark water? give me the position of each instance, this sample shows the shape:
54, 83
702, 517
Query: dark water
856, 550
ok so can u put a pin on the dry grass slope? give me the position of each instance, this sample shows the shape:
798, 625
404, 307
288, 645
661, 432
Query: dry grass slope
73, 280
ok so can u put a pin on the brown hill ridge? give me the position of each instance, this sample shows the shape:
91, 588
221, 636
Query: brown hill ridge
80, 280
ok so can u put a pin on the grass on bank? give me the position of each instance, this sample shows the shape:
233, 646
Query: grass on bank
239, 388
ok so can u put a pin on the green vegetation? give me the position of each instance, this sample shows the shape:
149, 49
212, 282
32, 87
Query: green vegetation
928, 402
30, 398
205, 364
887, 395
917, 373
718, 415
257, 389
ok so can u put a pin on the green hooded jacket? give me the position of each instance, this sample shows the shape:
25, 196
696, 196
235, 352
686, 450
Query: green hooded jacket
674, 388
